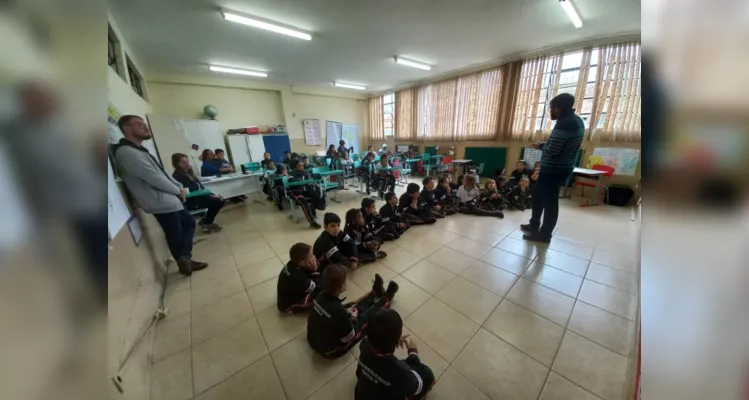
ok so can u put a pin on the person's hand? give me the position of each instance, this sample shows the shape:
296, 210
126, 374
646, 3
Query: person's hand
437, 207
411, 344
537, 145
183, 194
353, 265
353, 311
401, 225
402, 341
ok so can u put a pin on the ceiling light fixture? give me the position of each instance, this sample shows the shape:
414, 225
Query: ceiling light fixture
268, 26
415, 64
349, 86
239, 71
571, 12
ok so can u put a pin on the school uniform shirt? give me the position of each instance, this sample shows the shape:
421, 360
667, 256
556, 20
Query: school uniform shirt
468, 196
373, 223
209, 169
187, 179
265, 163
441, 195
390, 214
359, 235
517, 195
329, 325
385, 377
296, 286
404, 204
427, 199
516, 176
339, 249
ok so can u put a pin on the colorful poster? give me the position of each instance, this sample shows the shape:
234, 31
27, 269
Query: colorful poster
624, 161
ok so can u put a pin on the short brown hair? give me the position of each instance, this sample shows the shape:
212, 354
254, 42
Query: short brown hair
176, 158
125, 119
299, 252
470, 179
334, 277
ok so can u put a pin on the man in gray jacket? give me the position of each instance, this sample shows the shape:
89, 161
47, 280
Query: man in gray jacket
155, 191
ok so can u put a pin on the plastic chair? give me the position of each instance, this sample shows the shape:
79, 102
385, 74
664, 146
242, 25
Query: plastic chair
587, 182
446, 160
426, 163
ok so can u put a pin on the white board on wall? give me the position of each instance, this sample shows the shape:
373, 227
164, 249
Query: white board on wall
117, 209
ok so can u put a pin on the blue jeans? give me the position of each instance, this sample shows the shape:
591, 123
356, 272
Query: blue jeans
179, 228
546, 199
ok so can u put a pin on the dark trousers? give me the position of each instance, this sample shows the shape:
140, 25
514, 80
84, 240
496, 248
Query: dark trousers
212, 203
386, 183
367, 306
179, 228
476, 210
310, 201
546, 199
426, 374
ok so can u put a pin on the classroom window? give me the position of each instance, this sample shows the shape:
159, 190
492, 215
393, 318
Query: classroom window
136, 80
112, 51
388, 111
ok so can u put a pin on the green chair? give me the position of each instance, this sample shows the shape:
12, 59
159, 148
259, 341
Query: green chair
426, 162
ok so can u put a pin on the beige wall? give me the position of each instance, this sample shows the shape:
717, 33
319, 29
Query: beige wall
305, 106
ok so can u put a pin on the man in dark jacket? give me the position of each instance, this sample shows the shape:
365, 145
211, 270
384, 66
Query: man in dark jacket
155, 191
558, 156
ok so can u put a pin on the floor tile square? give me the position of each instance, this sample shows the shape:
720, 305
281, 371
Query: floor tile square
279, 328
428, 276
459, 225
220, 265
506, 260
223, 286
625, 281
588, 238
225, 354
172, 335
302, 371
543, 301
422, 247
171, 378
261, 271
565, 262
558, 388
253, 254
364, 275
533, 335
602, 327
445, 330
496, 280
219, 316
571, 248
485, 236
469, 299
607, 298
178, 303
427, 355
400, 259
409, 297
595, 368
176, 282
555, 279
354, 292
258, 381
497, 226
520, 247
343, 386
614, 260
264, 295
452, 385
500, 370
451, 260
440, 236
469, 247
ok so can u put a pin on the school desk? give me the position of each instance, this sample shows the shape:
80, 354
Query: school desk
233, 185
590, 174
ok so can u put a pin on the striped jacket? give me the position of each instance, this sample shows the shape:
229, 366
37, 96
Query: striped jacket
560, 150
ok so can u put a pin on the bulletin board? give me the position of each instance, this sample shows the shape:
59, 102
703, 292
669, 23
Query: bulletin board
312, 132
276, 145
493, 158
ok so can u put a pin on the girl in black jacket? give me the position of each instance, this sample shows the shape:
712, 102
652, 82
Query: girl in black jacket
213, 203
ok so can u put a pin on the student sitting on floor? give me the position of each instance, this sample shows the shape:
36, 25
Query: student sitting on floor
519, 172
443, 195
519, 197
409, 207
333, 328
309, 197
333, 246
427, 203
299, 281
385, 179
366, 170
491, 195
373, 222
184, 174
367, 244
534, 178
470, 197
380, 374
391, 216
501, 180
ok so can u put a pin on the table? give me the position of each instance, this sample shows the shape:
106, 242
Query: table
326, 182
233, 185
461, 166
587, 173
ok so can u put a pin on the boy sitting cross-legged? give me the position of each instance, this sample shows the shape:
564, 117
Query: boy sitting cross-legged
380, 374
333, 327
335, 247
299, 281
409, 207
428, 204
391, 216
373, 221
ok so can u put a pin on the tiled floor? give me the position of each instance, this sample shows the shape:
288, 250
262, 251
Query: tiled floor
494, 316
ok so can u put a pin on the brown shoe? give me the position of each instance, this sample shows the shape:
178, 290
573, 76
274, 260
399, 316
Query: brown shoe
197, 265
185, 266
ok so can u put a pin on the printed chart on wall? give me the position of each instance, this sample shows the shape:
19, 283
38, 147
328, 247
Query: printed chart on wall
116, 207
312, 133
531, 156
624, 161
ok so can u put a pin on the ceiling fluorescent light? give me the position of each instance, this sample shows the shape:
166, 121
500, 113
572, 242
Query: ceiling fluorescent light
257, 23
571, 12
349, 86
400, 60
216, 68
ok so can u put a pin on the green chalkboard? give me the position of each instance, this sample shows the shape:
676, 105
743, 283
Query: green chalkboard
431, 150
494, 158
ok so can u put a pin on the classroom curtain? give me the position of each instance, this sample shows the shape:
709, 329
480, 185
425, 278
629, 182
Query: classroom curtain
508, 98
405, 114
539, 80
436, 110
616, 106
376, 119
477, 105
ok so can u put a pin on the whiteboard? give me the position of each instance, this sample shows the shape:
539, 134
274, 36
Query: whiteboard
333, 132
312, 133
350, 134
117, 209
206, 134
257, 147
240, 153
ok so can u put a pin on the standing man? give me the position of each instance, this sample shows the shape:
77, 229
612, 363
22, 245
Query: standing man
156, 192
559, 153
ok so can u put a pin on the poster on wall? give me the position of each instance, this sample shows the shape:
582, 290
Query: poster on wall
531, 156
117, 210
624, 161
312, 133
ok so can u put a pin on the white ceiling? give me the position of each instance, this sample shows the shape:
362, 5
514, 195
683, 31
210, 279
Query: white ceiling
354, 40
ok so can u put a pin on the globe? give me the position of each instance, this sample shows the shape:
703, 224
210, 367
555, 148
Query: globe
210, 111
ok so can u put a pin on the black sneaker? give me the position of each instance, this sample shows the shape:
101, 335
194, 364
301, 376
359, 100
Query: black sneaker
538, 237
391, 290
500, 214
315, 225
528, 229
378, 286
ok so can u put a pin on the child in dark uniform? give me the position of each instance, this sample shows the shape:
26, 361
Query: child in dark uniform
519, 197
366, 170
335, 247
367, 244
470, 200
428, 205
444, 196
309, 197
334, 328
373, 221
391, 216
519, 172
385, 178
409, 207
380, 374
299, 281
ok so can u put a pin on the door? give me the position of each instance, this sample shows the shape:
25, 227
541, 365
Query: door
240, 152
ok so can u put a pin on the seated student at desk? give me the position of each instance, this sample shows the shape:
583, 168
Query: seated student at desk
309, 197
210, 167
266, 160
286, 157
385, 179
184, 174
342, 148
221, 161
